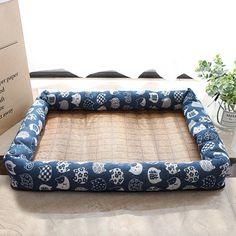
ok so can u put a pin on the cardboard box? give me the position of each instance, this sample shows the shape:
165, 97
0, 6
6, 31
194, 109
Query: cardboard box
15, 87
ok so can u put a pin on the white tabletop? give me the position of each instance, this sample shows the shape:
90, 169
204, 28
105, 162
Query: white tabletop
161, 213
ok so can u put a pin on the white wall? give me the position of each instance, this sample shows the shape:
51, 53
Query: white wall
130, 36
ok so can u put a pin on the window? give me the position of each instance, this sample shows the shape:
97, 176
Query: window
129, 36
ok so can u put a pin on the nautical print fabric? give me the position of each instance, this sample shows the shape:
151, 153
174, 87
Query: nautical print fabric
206, 174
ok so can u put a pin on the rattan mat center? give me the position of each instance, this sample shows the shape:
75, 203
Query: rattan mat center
117, 137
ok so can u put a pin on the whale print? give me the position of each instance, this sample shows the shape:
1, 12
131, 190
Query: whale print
63, 183
136, 169
76, 99
10, 166
173, 183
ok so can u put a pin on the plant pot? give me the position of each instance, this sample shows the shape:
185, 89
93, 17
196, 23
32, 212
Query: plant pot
223, 115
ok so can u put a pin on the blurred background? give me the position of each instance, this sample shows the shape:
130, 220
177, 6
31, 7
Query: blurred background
129, 36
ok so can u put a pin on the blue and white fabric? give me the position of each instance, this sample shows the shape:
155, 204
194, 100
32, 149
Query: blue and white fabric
206, 174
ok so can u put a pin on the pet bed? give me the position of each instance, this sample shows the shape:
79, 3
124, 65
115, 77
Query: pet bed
141, 144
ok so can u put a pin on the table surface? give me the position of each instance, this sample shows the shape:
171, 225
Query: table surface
161, 213
167, 213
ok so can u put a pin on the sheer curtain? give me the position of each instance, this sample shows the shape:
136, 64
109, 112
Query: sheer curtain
129, 36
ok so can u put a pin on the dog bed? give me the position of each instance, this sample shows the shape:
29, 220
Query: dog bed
141, 144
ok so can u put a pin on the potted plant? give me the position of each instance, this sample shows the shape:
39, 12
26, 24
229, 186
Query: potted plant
221, 85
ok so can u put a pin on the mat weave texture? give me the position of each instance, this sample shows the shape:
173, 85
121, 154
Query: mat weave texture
139, 136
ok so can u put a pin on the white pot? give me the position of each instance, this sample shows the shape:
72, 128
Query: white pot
223, 115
